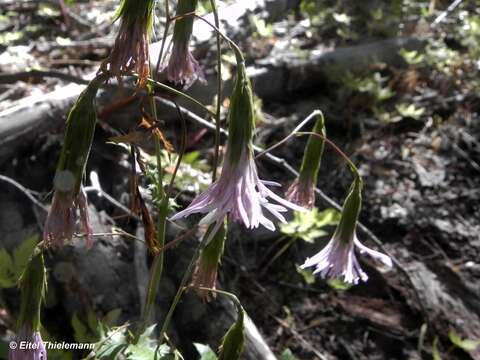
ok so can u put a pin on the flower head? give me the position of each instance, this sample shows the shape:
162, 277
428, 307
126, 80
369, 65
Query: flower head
61, 219
302, 190
36, 348
182, 67
130, 50
205, 275
239, 193
337, 259
69, 195
32, 285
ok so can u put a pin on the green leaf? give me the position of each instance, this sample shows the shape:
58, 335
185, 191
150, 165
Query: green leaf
309, 225
205, 351
79, 329
464, 344
23, 253
435, 351
287, 355
339, 285
307, 275
108, 347
111, 318
7, 273
140, 352
409, 111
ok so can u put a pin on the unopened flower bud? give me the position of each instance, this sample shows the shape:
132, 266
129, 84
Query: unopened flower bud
205, 275
234, 340
32, 286
302, 190
182, 67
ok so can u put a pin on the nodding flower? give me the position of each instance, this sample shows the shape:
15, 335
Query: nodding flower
69, 195
239, 193
130, 51
35, 349
337, 260
302, 190
205, 275
32, 284
182, 67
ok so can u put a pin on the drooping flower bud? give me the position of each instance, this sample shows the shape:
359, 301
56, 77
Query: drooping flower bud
234, 340
68, 193
182, 67
302, 190
33, 284
205, 275
130, 51
239, 192
338, 259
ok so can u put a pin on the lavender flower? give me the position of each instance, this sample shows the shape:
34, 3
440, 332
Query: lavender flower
60, 223
239, 193
130, 50
182, 67
35, 348
338, 259
302, 190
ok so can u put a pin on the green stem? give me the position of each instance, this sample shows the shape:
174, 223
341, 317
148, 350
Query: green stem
219, 93
164, 40
349, 162
178, 93
182, 287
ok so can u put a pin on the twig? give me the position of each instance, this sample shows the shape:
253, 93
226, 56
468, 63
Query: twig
299, 337
444, 14
28, 75
24, 190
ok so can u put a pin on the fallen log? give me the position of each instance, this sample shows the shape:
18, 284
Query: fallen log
272, 79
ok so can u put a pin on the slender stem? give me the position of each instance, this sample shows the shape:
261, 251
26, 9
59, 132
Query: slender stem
181, 288
313, 115
164, 40
335, 147
182, 149
219, 93
178, 93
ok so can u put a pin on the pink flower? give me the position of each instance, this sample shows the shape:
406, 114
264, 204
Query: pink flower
338, 260
35, 348
302, 192
240, 194
61, 219
182, 67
